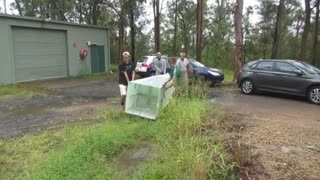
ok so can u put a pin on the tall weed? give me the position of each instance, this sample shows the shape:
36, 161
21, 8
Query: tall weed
186, 136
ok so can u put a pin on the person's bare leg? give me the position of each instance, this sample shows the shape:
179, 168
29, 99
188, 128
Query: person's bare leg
123, 102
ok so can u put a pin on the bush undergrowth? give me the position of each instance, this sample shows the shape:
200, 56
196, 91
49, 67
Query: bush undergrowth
186, 135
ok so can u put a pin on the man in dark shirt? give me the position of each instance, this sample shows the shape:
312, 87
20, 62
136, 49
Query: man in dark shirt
126, 73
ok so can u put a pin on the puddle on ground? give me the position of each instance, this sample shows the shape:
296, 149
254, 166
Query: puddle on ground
130, 159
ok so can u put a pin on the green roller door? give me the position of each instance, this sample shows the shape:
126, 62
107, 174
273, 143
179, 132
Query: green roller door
39, 53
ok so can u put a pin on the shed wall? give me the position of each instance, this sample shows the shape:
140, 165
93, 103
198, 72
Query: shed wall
77, 38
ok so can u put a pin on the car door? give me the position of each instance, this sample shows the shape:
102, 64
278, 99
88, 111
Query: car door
263, 75
287, 80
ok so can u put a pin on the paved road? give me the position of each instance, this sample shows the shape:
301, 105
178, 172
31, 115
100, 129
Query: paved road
266, 103
283, 130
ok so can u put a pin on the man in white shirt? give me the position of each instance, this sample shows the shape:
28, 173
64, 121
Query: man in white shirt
160, 64
184, 65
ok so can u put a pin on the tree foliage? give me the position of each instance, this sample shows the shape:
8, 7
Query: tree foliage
134, 28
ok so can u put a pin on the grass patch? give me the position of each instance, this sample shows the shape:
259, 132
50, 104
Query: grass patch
228, 75
114, 67
15, 91
186, 135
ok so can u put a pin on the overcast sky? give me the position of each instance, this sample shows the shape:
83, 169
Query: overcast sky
247, 3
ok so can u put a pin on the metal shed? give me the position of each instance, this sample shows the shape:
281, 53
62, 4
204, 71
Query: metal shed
36, 48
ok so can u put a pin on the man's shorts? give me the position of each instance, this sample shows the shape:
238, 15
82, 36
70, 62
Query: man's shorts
123, 90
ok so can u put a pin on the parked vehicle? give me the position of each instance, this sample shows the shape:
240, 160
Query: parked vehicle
145, 66
212, 75
281, 76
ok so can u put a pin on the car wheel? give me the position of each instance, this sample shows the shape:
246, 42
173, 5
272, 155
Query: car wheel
215, 83
247, 86
314, 95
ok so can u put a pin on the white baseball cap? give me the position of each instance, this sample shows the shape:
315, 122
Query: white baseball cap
158, 53
126, 53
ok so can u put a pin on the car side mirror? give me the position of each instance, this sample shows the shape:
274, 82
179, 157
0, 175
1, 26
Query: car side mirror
298, 72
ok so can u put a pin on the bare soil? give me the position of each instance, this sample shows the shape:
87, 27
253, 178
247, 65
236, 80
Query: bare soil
66, 101
271, 136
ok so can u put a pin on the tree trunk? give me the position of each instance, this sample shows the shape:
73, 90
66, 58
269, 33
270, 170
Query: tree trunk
121, 36
63, 11
316, 34
19, 7
306, 30
298, 27
199, 29
238, 43
53, 9
175, 29
276, 40
80, 12
132, 30
5, 6
156, 12
95, 12
185, 38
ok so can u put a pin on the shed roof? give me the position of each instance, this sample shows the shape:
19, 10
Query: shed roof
45, 20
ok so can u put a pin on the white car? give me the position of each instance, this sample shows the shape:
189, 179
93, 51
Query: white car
145, 67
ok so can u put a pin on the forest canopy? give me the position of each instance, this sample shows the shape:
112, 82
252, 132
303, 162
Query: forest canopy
285, 29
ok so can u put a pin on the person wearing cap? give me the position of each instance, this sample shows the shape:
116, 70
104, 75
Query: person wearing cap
184, 65
126, 74
160, 64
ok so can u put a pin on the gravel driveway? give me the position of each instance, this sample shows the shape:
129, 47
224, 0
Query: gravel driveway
65, 101
283, 132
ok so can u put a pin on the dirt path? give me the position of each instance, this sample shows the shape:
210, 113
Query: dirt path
282, 133
66, 101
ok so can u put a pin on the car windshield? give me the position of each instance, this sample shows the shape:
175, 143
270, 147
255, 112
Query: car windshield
307, 68
196, 63
250, 65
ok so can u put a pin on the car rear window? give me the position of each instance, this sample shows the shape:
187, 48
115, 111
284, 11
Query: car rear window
265, 66
143, 59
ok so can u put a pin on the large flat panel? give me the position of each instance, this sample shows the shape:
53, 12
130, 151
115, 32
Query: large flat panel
39, 53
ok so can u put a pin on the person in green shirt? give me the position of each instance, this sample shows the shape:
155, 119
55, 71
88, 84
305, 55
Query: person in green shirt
176, 78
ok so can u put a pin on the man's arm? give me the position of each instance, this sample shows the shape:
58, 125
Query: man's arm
133, 75
189, 67
164, 66
169, 83
126, 75
133, 72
